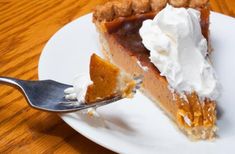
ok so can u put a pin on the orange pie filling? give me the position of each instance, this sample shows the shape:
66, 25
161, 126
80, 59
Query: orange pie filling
107, 81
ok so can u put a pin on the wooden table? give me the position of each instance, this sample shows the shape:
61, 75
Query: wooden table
25, 27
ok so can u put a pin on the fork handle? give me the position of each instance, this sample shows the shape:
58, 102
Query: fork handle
9, 81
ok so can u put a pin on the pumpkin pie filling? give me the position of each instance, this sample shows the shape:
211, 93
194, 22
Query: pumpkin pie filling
123, 46
107, 81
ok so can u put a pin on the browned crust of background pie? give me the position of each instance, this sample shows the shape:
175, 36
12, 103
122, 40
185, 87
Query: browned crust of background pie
123, 8
111, 16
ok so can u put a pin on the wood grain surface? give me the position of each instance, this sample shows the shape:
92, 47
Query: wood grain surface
25, 27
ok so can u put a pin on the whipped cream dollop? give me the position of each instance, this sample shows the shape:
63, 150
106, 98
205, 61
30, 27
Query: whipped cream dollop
78, 91
179, 51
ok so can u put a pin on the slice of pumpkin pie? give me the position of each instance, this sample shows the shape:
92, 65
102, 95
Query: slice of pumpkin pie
167, 42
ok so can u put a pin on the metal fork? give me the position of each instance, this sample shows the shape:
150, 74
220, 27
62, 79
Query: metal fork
48, 95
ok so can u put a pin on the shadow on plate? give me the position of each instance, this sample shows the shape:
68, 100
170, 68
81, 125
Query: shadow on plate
109, 122
225, 126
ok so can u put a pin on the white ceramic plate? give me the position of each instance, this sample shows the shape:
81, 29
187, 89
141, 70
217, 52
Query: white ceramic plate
137, 125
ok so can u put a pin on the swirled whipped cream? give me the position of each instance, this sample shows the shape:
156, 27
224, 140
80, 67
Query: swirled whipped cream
179, 50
